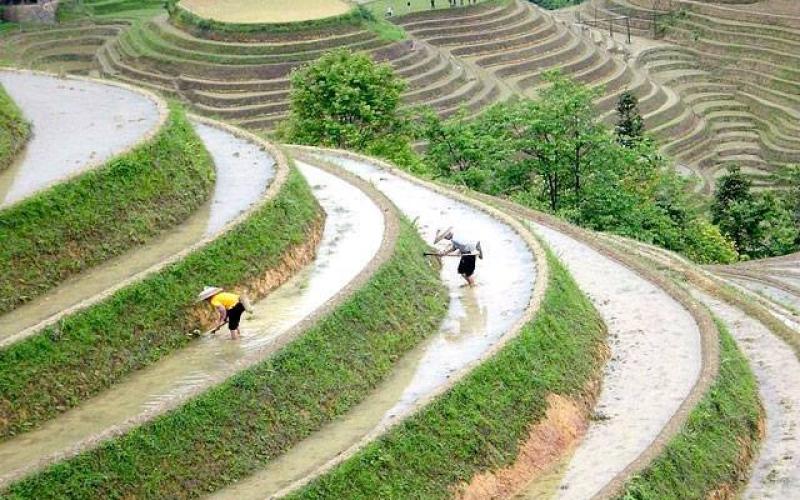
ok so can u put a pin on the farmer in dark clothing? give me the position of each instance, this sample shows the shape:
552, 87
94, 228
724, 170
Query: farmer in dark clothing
468, 251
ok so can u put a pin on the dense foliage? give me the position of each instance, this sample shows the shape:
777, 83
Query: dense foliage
556, 4
553, 154
14, 130
761, 224
630, 126
346, 100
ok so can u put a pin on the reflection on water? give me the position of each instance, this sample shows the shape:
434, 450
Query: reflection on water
475, 320
477, 317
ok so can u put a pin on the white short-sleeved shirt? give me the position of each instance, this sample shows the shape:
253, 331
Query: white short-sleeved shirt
463, 246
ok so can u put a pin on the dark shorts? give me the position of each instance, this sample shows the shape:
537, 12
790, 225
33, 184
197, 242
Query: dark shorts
235, 315
466, 266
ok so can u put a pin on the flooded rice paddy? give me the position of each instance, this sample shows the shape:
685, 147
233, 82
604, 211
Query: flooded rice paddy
655, 361
76, 124
352, 236
244, 171
477, 318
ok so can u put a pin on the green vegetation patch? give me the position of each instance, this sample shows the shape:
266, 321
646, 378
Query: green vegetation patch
234, 429
69, 10
75, 225
556, 4
480, 423
14, 130
714, 449
94, 348
554, 154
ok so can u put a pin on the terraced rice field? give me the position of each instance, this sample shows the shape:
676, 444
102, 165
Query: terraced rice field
260, 11
734, 66
581, 366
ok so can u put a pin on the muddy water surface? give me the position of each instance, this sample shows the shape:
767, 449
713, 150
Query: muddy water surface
505, 280
776, 473
352, 236
477, 318
655, 347
244, 172
76, 124
775, 294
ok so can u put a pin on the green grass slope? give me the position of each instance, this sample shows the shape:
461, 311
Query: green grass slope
713, 451
479, 424
47, 374
235, 428
14, 130
102, 213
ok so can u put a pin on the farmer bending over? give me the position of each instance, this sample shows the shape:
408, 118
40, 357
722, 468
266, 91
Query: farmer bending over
228, 305
468, 251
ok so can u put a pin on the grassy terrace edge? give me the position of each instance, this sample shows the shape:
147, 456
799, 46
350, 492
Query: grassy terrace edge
261, 412
479, 423
14, 130
713, 452
46, 374
126, 202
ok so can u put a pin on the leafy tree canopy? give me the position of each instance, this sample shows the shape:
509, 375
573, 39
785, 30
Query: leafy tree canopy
630, 125
344, 100
553, 154
760, 224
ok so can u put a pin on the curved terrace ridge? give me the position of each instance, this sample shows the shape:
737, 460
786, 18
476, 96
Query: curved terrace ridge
480, 321
354, 233
77, 123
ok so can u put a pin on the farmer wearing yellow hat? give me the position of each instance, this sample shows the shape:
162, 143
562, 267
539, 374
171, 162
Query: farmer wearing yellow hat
229, 306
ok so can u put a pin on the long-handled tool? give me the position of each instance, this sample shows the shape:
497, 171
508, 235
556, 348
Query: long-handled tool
434, 254
478, 252
196, 332
219, 326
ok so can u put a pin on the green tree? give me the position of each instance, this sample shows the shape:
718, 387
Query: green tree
732, 187
553, 154
345, 100
630, 125
760, 224
788, 179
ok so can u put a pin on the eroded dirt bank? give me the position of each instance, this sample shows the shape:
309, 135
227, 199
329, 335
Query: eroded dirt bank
656, 360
